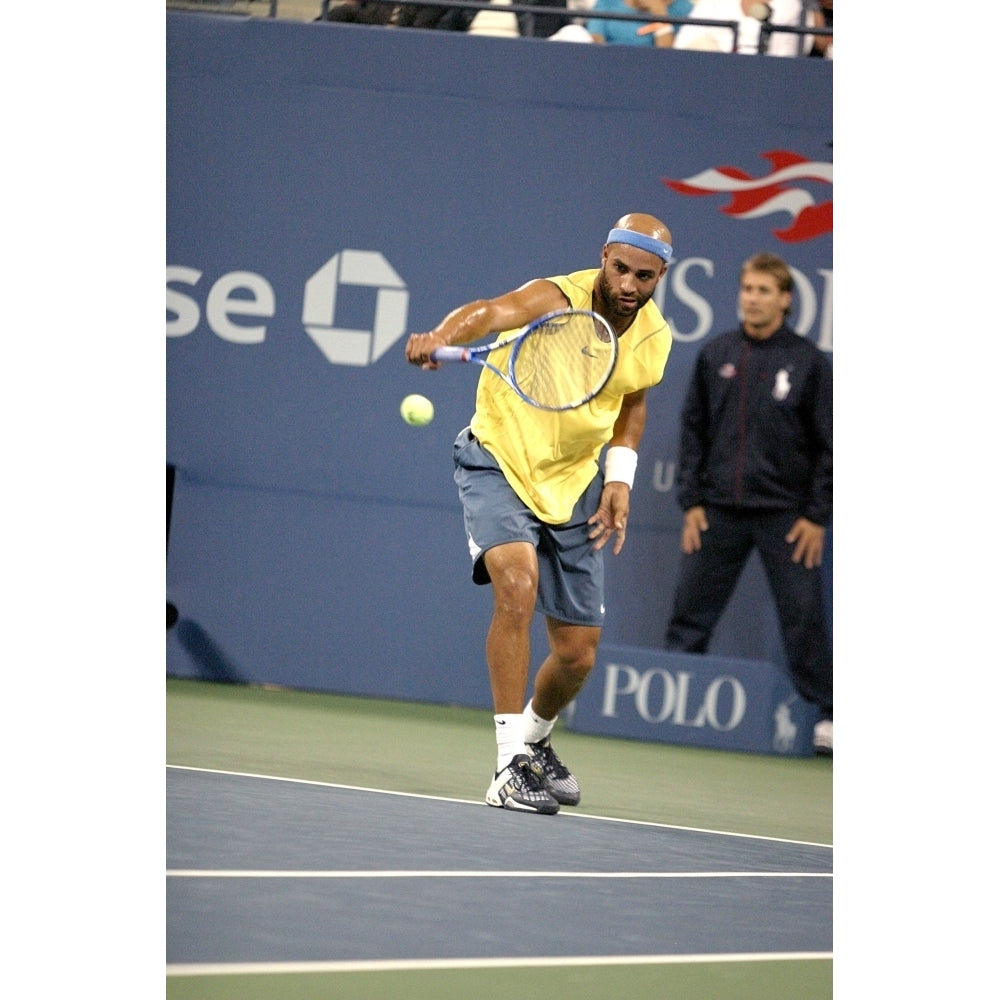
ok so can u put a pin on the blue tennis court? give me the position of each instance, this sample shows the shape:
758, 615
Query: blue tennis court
268, 874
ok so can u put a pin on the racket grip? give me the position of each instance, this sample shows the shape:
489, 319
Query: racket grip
450, 353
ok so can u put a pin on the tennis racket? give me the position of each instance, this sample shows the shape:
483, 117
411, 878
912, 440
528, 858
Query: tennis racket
559, 362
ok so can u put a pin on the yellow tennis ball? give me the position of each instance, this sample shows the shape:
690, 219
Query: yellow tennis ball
417, 410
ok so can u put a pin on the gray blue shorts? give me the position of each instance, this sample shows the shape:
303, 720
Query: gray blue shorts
570, 571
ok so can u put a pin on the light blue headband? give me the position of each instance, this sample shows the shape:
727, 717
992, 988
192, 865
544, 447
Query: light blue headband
662, 250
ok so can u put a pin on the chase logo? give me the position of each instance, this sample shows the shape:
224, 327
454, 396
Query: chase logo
344, 346
240, 305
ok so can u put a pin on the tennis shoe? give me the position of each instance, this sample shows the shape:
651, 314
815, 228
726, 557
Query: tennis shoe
823, 738
561, 784
519, 786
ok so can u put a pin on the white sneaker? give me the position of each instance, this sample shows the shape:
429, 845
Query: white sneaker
823, 738
520, 785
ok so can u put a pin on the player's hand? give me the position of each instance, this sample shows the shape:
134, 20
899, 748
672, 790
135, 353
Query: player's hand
611, 517
695, 522
419, 347
807, 537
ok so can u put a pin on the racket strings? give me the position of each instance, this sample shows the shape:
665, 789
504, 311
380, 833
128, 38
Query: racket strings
563, 363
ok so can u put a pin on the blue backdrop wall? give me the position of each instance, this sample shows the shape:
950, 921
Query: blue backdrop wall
332, 188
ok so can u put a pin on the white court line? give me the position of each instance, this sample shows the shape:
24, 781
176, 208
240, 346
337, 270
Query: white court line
401, 965
479, 802
472, 873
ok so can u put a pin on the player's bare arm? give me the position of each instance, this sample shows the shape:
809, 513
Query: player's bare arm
479, 319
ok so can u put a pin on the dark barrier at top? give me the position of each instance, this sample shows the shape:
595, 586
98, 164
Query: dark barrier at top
332, 188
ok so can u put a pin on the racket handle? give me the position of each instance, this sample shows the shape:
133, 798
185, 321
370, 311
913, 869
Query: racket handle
450, 353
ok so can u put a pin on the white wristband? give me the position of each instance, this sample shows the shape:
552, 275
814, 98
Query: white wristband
619, 465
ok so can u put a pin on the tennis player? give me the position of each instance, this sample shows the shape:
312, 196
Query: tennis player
538, 509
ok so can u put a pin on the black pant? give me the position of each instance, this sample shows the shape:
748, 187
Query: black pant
709, 576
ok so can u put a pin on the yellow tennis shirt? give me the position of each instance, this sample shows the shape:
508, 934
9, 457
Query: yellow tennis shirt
549, 458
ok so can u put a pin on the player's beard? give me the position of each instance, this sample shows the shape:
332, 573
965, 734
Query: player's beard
612, 300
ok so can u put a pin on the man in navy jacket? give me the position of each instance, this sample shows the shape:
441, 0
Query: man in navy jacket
756, 472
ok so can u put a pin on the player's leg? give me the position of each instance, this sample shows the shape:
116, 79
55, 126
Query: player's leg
560, 678
513, 570
571, 593
706, 580
502, 534
518, 782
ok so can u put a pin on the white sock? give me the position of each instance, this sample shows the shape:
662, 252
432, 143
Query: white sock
535, 727
510, 738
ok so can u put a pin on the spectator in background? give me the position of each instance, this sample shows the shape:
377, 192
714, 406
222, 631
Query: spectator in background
575, 30
402, 16
358, 12
541, 25
755, 471
429, 16
636, 32
823, 44
750, 15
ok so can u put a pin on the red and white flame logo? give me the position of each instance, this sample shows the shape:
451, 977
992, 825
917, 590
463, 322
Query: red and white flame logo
777, 191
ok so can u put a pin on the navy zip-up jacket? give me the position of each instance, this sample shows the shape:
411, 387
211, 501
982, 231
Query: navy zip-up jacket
757, 427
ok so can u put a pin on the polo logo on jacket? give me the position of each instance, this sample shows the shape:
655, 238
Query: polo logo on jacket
781, 385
